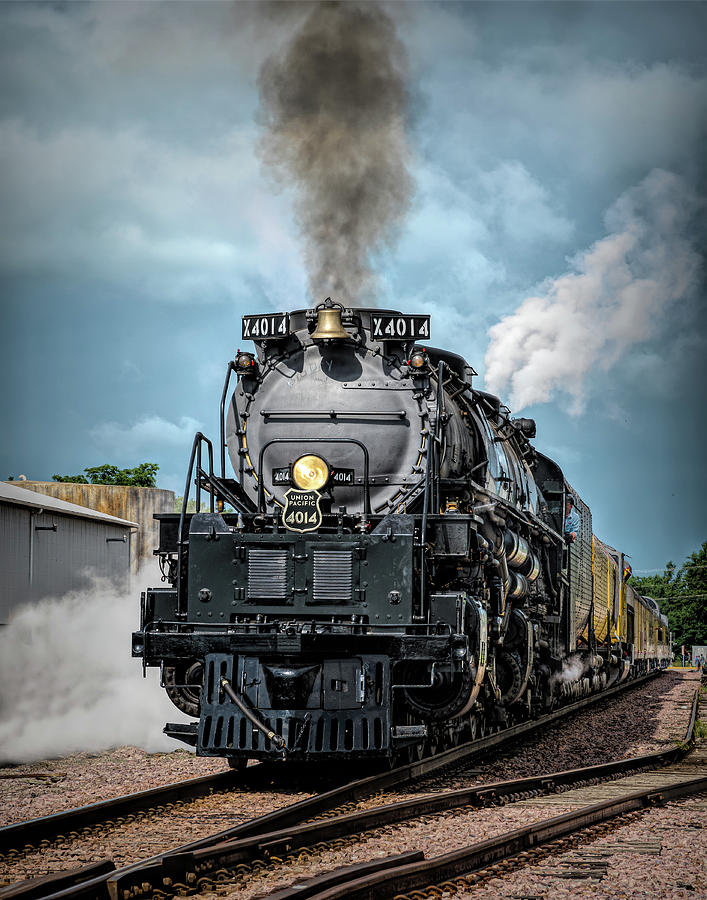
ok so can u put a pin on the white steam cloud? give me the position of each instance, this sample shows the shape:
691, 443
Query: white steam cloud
68, 682
572, 670
619, 294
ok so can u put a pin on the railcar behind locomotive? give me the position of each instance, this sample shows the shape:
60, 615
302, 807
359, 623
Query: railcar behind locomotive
387, 573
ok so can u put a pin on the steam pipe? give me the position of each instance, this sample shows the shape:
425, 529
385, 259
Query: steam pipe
496, 519
273, 736
505, 577
499, 562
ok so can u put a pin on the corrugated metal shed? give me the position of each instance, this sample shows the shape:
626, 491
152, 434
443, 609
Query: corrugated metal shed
49, 547
137, 504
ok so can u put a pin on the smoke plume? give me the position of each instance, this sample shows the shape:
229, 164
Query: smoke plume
334, 104
619, 294
68, 682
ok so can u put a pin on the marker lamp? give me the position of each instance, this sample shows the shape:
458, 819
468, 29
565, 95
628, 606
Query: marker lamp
310, 473
245, 360
417, 360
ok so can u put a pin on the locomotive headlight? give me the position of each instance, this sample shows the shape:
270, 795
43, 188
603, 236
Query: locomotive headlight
310, 473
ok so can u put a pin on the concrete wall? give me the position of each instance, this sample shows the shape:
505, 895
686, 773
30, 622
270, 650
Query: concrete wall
136, 504
45, 553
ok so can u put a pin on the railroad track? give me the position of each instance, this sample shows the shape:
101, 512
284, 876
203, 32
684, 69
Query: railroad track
264, 838
601, 806
39, 832
414, 877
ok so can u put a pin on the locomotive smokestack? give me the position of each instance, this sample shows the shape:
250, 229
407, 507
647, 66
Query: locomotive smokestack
335, 102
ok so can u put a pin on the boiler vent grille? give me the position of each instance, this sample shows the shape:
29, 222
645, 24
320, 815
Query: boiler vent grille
333, 575
267, 574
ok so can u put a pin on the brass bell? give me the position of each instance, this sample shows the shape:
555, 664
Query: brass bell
329, 327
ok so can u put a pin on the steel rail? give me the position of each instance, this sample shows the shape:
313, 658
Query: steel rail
273, 824
513, 846
231, 853
330, 879
204, 857
433, 871
354, 791
47, 828
34, 888
177, 867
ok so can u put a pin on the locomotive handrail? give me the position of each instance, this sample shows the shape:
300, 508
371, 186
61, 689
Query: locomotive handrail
322, 440
222, 416
169, 633
200, 471
335, 413
195, 454
431, 463
213, 483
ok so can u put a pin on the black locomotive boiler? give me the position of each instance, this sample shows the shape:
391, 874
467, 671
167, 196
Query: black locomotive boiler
386, 574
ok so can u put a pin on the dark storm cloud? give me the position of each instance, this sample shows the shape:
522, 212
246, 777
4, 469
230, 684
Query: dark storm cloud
334, 107
126, 146
139, 225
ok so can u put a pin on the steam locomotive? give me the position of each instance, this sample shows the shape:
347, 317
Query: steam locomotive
387, 574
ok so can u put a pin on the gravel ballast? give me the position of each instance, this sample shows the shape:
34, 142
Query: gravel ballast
661, 854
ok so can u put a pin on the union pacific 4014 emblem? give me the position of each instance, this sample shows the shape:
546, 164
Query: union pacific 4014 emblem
302, 512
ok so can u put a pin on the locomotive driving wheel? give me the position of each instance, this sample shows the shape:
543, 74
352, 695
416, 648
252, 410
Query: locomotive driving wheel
445, 697
510, 678
183, 686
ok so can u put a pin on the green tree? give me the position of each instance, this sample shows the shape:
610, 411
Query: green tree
191, 505
144, 475
682, 596
104, 474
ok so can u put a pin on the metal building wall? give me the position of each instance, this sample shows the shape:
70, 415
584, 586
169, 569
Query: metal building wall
46, 554
14, 557
137, 504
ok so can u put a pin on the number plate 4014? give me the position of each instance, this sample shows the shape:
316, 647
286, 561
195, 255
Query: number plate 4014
271, 327
302, 512
400, 328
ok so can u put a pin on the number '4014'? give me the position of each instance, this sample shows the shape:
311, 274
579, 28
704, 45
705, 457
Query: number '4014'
300, 517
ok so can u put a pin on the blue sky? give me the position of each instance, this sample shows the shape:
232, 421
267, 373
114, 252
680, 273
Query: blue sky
556, 232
